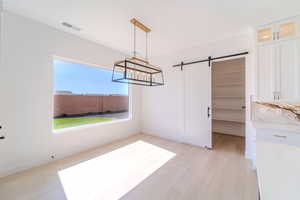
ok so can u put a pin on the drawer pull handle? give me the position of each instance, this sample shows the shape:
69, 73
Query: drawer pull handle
280, 136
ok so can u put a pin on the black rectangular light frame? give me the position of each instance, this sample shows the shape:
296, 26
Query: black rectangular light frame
126, 79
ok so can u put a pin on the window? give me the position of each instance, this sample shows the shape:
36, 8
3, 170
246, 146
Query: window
86, 95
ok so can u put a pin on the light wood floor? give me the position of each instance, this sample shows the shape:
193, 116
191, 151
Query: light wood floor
191, 174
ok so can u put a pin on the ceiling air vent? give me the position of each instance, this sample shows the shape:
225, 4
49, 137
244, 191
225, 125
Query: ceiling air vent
65, 24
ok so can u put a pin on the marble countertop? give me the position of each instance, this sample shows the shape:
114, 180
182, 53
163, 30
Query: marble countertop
276, 115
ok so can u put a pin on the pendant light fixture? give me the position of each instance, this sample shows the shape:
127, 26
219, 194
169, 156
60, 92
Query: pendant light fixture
135, 70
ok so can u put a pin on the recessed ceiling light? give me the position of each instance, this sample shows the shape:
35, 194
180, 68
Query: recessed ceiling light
68, 25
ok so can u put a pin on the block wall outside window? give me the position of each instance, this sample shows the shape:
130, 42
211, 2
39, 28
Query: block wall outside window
86, 95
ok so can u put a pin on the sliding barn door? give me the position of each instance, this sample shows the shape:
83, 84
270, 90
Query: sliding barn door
197, 80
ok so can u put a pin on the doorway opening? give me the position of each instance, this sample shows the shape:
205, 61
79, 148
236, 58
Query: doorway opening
228, 99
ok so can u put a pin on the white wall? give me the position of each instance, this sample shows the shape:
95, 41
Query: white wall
1, 29
163, 107
26, 95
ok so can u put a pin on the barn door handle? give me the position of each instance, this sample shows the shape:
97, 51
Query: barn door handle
2, 137
280, 136
208, 112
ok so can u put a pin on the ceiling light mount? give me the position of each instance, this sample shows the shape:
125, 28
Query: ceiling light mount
135, 70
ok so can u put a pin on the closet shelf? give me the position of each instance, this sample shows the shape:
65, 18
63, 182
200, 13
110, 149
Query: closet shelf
231, 128
239, 72
228, 84
225, 120
228, 97
238, 120
228, 108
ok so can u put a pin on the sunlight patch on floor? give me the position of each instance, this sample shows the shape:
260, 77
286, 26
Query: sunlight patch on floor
112, 175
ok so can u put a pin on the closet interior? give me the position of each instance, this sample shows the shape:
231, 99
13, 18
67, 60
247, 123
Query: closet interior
228, 97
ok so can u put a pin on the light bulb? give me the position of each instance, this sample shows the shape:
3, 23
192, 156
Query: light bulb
134, 74
129, 73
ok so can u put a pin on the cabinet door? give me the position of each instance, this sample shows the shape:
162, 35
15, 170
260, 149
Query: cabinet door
287, 29
266, 72
265, 34
289, 69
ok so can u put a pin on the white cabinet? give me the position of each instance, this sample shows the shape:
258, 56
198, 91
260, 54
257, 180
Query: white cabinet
278, 61
266, 72
278, 164
278, 31
288, 80
287, 29
266, 34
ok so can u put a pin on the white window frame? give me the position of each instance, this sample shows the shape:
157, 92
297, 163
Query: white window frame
86, 126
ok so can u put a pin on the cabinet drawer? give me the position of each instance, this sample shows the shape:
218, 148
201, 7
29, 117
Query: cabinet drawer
281, 137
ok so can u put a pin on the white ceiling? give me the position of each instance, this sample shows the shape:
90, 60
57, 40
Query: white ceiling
176, 24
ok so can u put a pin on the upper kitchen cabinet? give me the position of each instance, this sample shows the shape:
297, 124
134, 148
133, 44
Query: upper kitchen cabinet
266, 72
288, 29
265, 34
288, 76
282, 30
278, 61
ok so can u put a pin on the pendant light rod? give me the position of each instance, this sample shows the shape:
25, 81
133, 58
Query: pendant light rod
134, 41
146, 58
144, 28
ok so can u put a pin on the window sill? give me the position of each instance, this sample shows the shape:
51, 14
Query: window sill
82, 127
